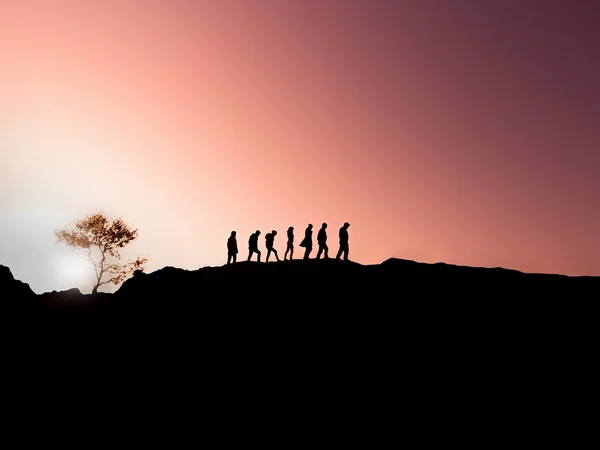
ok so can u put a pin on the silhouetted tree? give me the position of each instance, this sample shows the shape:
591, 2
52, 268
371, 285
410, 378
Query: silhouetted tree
101, 238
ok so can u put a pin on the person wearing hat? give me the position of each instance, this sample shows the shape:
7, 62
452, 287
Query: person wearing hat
269, 239
344, 248
290, 244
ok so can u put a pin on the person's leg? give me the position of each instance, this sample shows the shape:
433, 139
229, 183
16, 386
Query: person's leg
326, 251
234, 258
258, 253
276, 255
319, 252
250, 254
339, 253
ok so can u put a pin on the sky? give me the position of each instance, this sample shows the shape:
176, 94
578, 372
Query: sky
461, 131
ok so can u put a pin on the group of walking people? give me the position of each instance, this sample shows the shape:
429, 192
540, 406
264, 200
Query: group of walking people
307, 243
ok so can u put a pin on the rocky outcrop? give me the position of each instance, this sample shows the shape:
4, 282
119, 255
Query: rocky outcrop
11, 289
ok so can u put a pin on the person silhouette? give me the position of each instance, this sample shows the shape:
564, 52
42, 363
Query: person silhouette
344, 248
290, 244
253, 245
232, 248
322, 242
269, 240
307, 241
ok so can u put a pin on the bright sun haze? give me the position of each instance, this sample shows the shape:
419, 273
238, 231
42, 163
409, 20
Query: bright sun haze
463, 132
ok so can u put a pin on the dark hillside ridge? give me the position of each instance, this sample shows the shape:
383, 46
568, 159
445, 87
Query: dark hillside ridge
217, 322
249, 286
314, 278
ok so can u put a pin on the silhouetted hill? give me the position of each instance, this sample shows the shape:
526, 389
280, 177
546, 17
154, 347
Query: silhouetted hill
13, 289
338, 322
313, 280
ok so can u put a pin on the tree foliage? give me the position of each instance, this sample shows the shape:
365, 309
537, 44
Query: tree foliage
101, 239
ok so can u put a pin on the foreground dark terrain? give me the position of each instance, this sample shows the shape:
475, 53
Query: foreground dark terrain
298, 327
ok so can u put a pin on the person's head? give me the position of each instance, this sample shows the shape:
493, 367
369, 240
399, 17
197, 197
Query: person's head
324, 225
310, 225
346, 224
257, 232
291, 229
273, 232
233, 233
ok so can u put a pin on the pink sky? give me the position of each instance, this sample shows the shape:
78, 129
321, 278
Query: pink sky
464, 132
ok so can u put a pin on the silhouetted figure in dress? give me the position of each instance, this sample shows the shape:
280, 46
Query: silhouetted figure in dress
344, 248
307, 241
290, 244
232, 248
322, 242
269, 240
253, 245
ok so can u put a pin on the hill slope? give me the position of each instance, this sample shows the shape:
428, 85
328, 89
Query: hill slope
315, 279
290, 318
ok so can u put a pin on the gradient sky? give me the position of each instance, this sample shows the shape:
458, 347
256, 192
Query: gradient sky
460, 131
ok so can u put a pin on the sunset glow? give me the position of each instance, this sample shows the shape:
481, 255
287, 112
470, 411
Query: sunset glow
458, 131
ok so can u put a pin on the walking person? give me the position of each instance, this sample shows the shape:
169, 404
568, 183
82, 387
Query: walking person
344, 248
232, 248
307, 241
322, 242
269, 240
290, 244
253, 245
